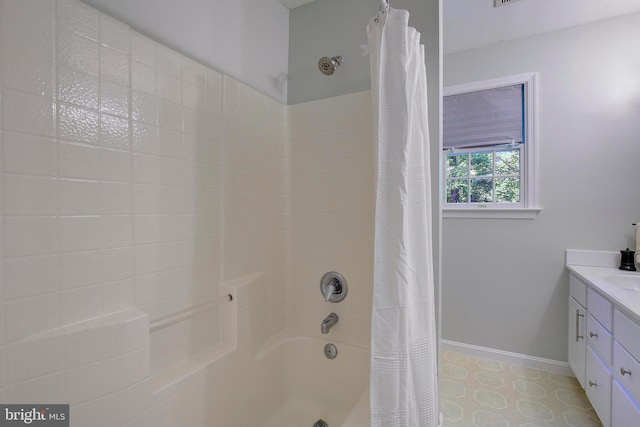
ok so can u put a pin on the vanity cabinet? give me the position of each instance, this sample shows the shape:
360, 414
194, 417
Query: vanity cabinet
577, 353
604, 354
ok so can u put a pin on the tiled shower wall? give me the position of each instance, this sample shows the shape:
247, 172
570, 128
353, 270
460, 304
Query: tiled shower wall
133, 178
134, 181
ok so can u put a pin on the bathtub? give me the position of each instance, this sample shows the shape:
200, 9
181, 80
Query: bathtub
291, 383
251, 379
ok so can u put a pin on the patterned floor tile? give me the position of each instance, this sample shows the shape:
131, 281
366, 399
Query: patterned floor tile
479, 392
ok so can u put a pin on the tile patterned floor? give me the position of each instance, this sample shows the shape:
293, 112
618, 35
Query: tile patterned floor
477, 392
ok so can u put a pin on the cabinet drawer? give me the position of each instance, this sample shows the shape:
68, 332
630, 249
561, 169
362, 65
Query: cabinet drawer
600, 308
598, 382
625, 410
578, 290
626, 370
598, 338
627, 332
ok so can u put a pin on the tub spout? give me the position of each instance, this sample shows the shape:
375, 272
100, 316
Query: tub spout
328, 323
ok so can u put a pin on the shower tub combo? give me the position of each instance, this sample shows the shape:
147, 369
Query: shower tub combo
282, 380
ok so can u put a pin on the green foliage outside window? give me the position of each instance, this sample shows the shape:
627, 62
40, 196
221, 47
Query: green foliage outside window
483, 176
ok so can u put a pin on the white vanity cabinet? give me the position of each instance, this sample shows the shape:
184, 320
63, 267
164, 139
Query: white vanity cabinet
604, 353
577, 320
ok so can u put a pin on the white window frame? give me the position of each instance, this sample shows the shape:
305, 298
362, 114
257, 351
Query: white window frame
528, 208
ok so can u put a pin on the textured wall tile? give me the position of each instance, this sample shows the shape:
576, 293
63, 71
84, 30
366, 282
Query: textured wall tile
31, 276
77, 124
78, 269
114, 34
77, 88
83, 345
118, 296
114, 99
115, 198
143, 77
169, 87
78, 53
76, 16
114, 66
25, 358
29, 195
25, 317
81, 304
27, 236
143, 49
168, 61
29, 154
169, 115
80, 233
48, 388
79, 197
116, 165
145, 138
22, 112
116, 231
91, 381
144, 107
79, 161
27, 54
114, 132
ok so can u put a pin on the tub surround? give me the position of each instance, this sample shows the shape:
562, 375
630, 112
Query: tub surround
139, 189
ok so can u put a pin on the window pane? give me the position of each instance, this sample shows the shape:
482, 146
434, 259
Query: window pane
481, 164
457, 191
508, 162
481, 190
507, 190
457, 165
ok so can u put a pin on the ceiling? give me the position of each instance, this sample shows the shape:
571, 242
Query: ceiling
473, 23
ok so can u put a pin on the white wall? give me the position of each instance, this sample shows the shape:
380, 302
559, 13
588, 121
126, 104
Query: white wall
245, 39
504, 283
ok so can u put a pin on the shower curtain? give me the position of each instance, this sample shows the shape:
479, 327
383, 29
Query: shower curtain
403, 333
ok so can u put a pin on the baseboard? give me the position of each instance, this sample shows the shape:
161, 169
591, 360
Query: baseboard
549, 365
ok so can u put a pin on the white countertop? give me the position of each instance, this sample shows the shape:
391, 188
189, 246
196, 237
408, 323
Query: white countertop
627, 300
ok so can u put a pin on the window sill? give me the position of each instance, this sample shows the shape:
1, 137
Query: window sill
484, 213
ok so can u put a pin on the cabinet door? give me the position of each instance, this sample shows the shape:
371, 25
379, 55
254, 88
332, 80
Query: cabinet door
624, 409
577, 318
598, 388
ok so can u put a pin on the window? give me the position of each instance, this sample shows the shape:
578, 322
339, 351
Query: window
489, 149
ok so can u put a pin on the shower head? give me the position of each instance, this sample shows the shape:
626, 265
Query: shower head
328, 65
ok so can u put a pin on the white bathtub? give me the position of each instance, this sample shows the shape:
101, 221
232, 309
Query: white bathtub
291, 383
250, 379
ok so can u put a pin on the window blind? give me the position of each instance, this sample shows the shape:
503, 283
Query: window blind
484, 118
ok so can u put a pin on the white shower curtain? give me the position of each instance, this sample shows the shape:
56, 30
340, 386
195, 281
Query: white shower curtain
403, 333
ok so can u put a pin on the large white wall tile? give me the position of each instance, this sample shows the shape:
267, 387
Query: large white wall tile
26, 357
48, 388
22, 112
25, 317
78, 17
31, 276
91, 381
27, 54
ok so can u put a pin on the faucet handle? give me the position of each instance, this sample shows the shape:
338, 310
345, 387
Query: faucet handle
333, 287
329, 290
